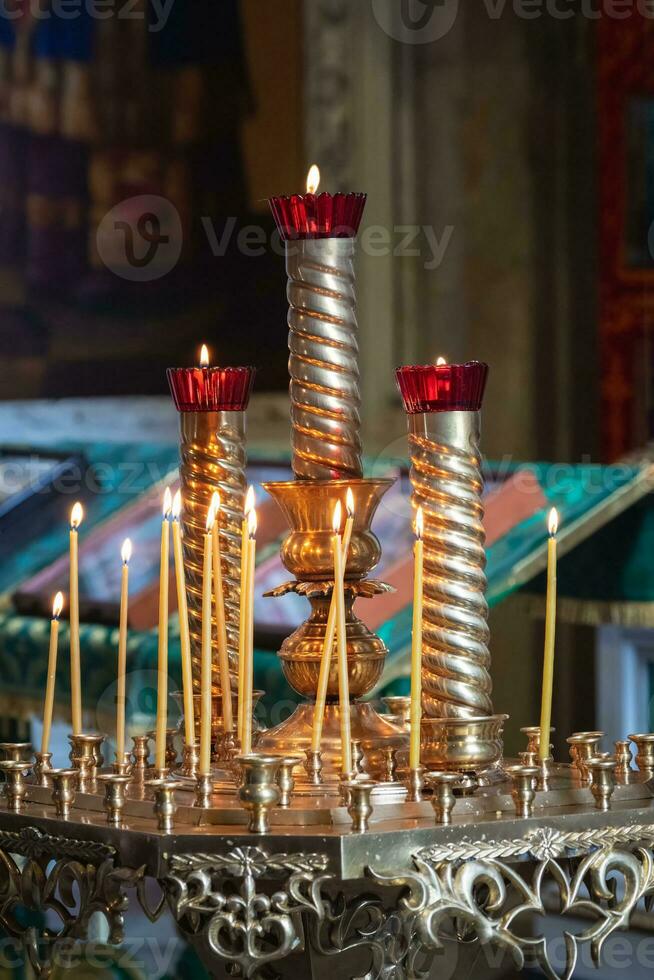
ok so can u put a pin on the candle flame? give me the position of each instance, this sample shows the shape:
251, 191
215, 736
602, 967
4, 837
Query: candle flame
211, 518
57, 605
126, 551
204, 356
313, 179
338, 516
76, 516
177, 505
441, 361
252, 523
249, 501
167, 503
420, 524
215, 502
349, 502
553, 522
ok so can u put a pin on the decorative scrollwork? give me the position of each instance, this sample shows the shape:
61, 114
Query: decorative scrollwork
216, 897
32, 842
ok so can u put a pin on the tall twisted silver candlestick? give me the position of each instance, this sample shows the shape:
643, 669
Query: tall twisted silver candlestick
323, 363
447, 483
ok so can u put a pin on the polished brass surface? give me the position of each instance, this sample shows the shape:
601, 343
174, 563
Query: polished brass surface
584, 746
86, 756
15, 788
524, 792
165, 806
203, 790
16, 751
213, 457
389, 755
313, 766
360, 807
443, 799
447, 483
260, 791
63, 782
644, 753
416, 784
295, 734
141, 755
309, 509
533, 737
324, 359
463, 744
115, 787
190, 759
399, 707
285, 779
603, 781
42, 767
623, 758
124, 766
358, 757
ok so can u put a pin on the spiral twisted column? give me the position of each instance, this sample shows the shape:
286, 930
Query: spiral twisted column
323, 364
447, 483
213, 458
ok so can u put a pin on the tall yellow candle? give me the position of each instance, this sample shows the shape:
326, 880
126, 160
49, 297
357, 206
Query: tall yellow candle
330, 632
249, 628
245, 539
341, 641
184, 634
205, 667
76, 517
416, 645
550, 633
221, 623
162, 660
57, 606
126, 554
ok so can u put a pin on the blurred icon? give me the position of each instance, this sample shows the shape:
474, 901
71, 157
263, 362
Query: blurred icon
416, 21
141, 238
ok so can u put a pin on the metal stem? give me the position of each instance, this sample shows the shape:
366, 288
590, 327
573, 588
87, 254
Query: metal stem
447, 484
213, 458
323, 364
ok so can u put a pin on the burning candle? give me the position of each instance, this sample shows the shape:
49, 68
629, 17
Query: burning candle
184, 634
205, 674
76, 517
341, 641
248, 672
221, 623
57, 606
550, 632
328, 646
248, 508
126, 554
162, 660
416, 644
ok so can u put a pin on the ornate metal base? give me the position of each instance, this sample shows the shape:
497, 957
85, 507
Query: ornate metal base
470, 745
368, 727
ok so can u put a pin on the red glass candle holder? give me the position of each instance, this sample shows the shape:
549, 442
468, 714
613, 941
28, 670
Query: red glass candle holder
211, 389
442, 387
303, 216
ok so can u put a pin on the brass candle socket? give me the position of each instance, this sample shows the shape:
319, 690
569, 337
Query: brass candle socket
603, 782
360, 806
259, 792
213, 457
165, 805
345, 786
15, 787
443, 799
623, 759
124, 766
190, 759
313, 766
399, 708
644, 753
416, 784
466, 745
523, 792
358, 756
203, 790
544, 766
390, 764
141, 755
171, 751
583, 747
115, 789
16, 751
285, 780
533, 737
64, 782
86, 755
42, 767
